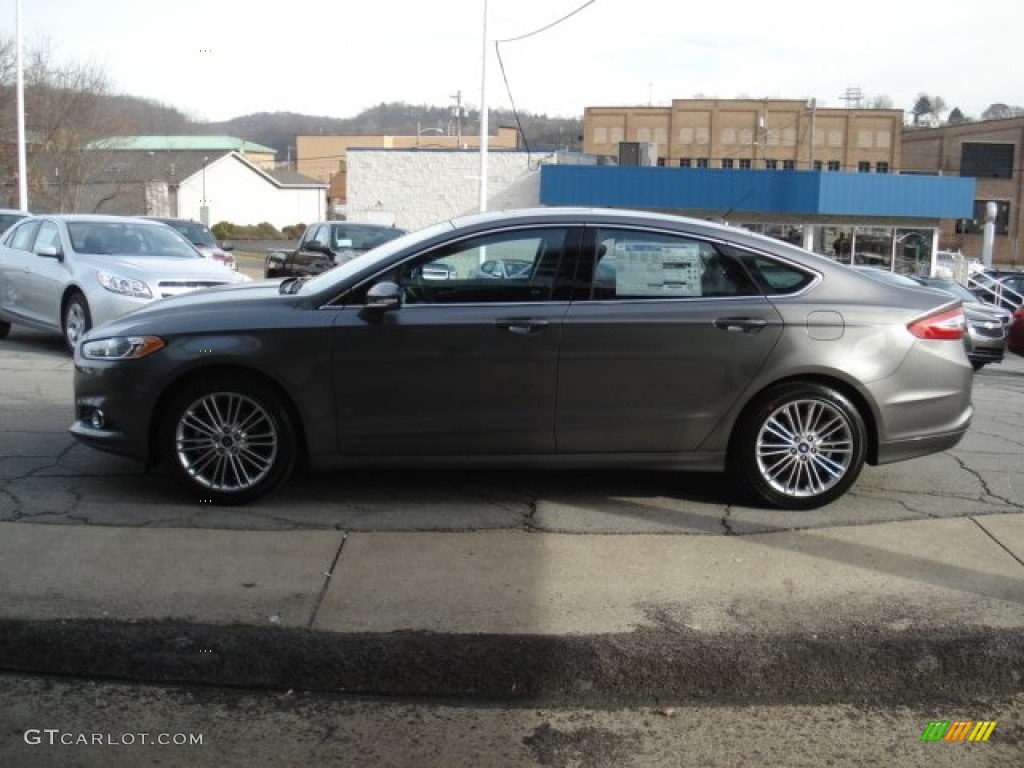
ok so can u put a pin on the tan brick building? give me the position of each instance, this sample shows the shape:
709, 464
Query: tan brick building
775, 134
991, 152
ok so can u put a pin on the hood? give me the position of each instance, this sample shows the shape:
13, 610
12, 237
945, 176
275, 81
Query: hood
154, 269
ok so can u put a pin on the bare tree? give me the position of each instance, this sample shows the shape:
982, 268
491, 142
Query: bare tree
67, 116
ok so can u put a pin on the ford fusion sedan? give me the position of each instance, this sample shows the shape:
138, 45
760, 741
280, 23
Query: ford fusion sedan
67, 273
705, 348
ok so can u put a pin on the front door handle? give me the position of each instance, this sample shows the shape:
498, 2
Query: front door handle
523, 326
741, 324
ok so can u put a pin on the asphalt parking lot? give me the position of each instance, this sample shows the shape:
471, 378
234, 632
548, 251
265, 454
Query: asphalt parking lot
46, 477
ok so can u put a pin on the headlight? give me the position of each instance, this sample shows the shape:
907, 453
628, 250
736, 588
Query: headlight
125, 286
121, 347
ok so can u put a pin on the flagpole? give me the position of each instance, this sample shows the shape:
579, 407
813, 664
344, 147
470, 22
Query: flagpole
483, 119
20, 87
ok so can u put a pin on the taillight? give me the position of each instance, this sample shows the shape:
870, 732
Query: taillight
949, 324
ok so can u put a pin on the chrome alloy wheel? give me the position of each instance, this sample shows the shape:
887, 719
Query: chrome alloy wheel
805, 448
76, 322
226, 441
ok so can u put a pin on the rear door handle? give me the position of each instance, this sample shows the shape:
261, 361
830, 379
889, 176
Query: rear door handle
741, 324
522, 325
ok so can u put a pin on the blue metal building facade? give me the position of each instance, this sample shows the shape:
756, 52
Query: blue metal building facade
786, 195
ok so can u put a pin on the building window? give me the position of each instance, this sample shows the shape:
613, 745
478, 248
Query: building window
685, 162
976, 225
727, 162
789, 165
863, 167
986, 161
745, 163
771, 165
661, 162
702, 162
817, 165
881, 167
600, 134
833, 165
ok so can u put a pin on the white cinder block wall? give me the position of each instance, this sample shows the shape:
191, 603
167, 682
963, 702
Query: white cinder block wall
414, 188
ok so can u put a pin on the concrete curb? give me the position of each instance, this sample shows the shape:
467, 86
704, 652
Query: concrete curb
644, 666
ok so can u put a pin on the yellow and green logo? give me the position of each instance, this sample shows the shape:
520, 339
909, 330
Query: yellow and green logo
958, 730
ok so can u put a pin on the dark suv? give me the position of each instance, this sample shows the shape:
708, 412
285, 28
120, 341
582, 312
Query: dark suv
326, 244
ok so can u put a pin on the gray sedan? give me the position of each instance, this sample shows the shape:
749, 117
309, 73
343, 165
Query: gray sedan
66, 273
704, 348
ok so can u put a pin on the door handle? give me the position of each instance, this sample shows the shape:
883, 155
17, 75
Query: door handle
741, 324
521, 325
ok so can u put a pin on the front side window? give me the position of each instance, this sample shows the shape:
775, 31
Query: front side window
49, 236
650, 265
515, 266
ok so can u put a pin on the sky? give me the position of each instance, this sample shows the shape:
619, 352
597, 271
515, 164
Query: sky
218, 59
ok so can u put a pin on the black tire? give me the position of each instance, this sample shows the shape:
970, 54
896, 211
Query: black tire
5, 328
977, 366
799, 446
229, 440
75, 320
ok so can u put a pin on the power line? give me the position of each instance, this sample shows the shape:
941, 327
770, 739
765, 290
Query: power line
504, 74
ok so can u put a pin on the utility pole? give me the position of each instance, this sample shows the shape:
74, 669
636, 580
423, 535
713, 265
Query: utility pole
20, 87
458, 116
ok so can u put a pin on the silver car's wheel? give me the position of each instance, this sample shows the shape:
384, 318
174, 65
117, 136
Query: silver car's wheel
231, 441
76, 320
800, 446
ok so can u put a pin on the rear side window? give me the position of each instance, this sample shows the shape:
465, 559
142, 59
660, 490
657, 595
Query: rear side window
652, 265
23, 235
772, 277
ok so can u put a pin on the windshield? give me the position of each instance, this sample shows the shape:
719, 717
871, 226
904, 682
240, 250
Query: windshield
129, 239
197, 233
337, 276
361, 238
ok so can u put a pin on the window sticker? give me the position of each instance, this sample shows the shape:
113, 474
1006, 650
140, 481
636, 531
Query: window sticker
656, 269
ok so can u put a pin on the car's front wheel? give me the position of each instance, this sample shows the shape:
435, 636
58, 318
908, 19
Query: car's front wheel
75, 320
799, 446
228, 439
5, 328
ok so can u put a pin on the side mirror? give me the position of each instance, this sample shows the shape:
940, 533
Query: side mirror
383, 297
49, 252
315, 245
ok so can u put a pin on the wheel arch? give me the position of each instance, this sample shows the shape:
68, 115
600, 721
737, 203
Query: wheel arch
206, 372
845, 388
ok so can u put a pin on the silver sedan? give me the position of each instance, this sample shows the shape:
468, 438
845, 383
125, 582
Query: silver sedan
67, 273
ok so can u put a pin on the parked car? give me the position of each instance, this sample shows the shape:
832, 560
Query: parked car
202, 238
9, 216
1015, 335
712, 349
325, 244
504, 269
66, 273
987, 325
1003, 288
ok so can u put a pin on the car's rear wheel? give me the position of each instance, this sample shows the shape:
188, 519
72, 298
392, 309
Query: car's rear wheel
799, 446
75, 320
229, 440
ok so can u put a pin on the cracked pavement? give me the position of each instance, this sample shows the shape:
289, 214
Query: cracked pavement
46, 477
